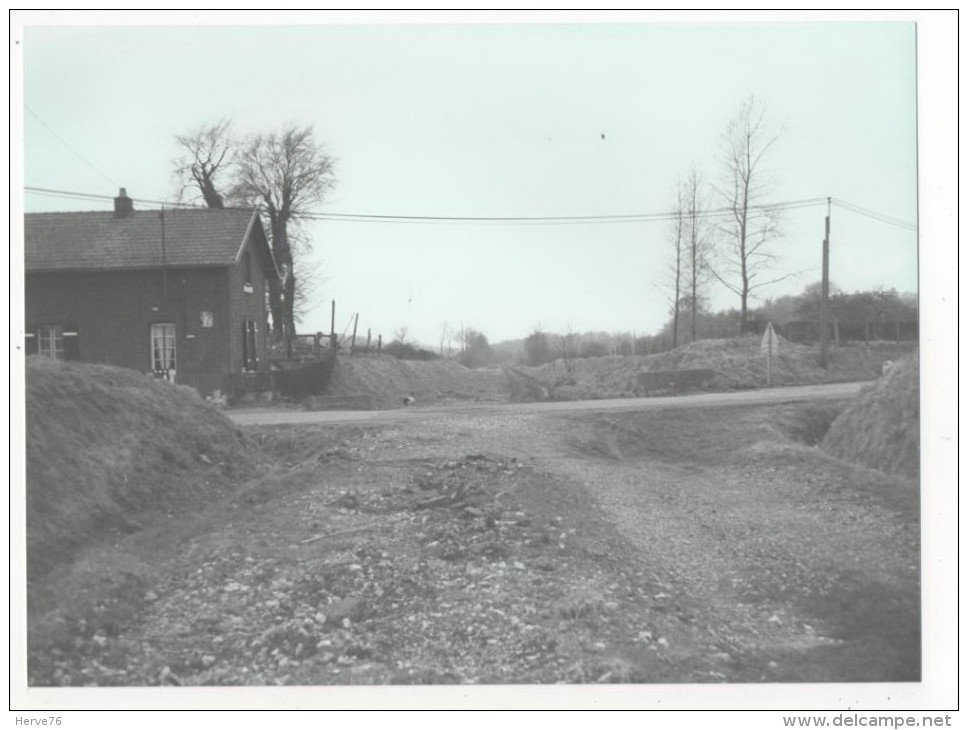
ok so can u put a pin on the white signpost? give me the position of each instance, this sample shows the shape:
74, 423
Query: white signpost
768, 345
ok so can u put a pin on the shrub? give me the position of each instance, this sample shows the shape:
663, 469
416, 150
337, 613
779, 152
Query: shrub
406, 351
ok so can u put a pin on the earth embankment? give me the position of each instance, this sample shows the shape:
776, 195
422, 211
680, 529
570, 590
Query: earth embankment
881, 428
108, 448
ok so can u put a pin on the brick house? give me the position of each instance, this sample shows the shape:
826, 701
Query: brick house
178, 293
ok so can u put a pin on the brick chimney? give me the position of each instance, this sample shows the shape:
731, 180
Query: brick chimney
123, 205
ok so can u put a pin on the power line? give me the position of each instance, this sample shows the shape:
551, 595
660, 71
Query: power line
380, 218
48, 192
68, 146
521, 220
572, 219
882, 217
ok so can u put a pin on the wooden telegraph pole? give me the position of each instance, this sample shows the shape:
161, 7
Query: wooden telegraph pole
332, 327
825, 291
356, 321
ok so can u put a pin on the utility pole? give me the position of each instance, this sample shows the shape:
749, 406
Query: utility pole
825, 291
356, 321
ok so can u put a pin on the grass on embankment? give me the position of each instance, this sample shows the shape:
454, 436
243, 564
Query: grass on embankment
109, 449
881, 428
388, 381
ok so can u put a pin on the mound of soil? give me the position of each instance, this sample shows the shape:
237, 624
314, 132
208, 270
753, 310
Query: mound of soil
738, 363
388, 381
108, 448
881, 428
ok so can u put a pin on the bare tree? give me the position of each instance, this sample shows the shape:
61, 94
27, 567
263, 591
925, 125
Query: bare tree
310, 281
285, 174
400, 334
206, 158
462, 337
746, 258
446, 336
698, 244
675, 267
569, 349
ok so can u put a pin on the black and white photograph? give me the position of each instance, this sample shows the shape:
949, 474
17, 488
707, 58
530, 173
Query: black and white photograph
483, 360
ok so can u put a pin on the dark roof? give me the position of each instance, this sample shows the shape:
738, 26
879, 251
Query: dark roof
98, 240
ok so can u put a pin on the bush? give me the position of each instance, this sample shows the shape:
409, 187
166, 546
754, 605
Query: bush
593, 349
538, 348
476, 351
406, 351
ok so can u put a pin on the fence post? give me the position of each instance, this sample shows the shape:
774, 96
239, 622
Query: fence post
379, 345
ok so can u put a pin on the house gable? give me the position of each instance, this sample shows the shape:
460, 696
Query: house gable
257, 244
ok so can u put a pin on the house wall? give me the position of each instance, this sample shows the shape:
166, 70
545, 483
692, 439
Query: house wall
113, 313
246, 304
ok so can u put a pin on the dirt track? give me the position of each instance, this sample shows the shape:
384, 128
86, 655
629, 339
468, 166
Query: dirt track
579, 542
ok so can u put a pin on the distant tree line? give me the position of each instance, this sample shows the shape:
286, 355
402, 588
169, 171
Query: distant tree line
877, 306
858, 306
884, 309
473, 348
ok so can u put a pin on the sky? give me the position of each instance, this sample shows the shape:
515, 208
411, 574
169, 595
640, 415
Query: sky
538, 119
480, 119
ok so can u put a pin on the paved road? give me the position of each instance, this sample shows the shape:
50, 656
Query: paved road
269, 416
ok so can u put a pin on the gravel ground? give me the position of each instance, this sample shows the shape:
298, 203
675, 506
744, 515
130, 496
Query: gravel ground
506, 546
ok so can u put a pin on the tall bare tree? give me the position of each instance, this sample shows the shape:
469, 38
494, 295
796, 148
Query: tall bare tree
285, 174
675, 266
205, 161
446, 337
310, 279
698, 245
746, 258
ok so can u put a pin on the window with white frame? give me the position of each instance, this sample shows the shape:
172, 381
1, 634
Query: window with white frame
162, 346
50, 341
